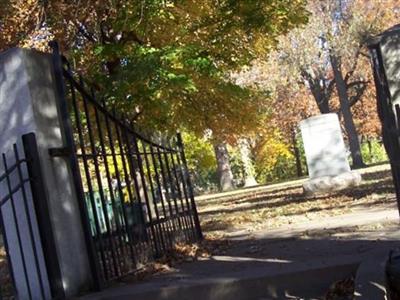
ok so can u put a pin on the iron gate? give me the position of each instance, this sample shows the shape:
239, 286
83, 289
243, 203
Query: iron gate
29, 267
389, 116
135, 194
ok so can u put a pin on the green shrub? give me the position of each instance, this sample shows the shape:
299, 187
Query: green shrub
373, 151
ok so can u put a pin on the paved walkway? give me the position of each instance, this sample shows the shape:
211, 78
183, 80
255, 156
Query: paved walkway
301, 258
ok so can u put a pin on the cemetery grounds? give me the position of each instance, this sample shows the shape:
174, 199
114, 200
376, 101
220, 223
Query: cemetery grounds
278, 221
284, 204
273, 208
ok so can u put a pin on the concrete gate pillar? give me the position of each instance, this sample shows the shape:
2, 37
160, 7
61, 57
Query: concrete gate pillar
29, 103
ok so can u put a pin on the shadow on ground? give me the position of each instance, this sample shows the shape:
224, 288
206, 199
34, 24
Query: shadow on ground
299, 267
300, 261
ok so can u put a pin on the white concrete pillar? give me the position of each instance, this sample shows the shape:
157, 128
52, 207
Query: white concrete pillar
28, 103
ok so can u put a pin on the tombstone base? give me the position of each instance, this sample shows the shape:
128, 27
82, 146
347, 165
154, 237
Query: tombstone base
250, 182
331, 183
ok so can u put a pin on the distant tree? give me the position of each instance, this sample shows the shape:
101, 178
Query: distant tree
329, 58
290, 103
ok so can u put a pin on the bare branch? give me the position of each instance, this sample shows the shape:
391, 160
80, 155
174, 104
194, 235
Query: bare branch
354, 67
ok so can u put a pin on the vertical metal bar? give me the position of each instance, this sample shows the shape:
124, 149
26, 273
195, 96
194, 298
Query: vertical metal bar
73, 161
40, 201
29, 221
132, 169
11, 199
147, 164
9, 266
167, 194
157, 176
184, 214
173, 192
89, 179
186, 194
190, 188
146, 196
159, 188
114, 249
395, 141
117, 174
179, 193
129, 188
119, 229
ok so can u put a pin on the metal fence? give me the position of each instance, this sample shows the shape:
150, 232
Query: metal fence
23, 269
389, 115
136, 195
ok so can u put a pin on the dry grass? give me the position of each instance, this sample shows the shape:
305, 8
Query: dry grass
286, 205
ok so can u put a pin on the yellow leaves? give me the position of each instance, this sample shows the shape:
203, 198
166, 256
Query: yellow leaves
169, 4
21, 25
269, 149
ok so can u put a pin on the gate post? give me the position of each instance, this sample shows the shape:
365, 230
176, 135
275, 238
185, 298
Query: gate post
72, 160
385, 57
40, 202
29, 102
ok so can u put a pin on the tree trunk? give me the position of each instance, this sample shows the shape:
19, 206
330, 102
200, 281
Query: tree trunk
224, 168
323, 106
320, 89
249, 179
297, 155
347, 116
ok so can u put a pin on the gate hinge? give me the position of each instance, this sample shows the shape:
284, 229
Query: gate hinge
62, 151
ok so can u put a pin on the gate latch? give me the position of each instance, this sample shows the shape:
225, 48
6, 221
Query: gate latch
59, 152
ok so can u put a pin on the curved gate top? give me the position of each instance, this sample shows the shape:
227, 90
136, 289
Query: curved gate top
135, 195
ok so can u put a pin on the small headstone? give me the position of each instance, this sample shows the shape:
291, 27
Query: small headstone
326, 157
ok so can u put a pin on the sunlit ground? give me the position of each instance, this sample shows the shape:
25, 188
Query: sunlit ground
268, 209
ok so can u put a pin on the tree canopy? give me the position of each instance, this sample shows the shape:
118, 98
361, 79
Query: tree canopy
328, 58
178, 64
164, 63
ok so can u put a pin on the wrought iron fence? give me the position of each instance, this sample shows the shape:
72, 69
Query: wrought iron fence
136, 193
23, 272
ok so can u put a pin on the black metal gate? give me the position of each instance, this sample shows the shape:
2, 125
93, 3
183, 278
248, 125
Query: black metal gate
29, 267
135, 194
389, 115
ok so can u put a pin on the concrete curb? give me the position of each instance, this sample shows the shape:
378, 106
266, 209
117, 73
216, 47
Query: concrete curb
306, 282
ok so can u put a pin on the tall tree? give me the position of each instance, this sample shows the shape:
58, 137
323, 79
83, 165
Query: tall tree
344, 39
328, 57
290, 103
163, 63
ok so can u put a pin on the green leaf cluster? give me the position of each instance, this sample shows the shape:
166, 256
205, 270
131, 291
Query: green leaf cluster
167, 64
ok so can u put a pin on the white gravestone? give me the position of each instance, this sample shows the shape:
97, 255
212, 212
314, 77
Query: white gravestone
326, 157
